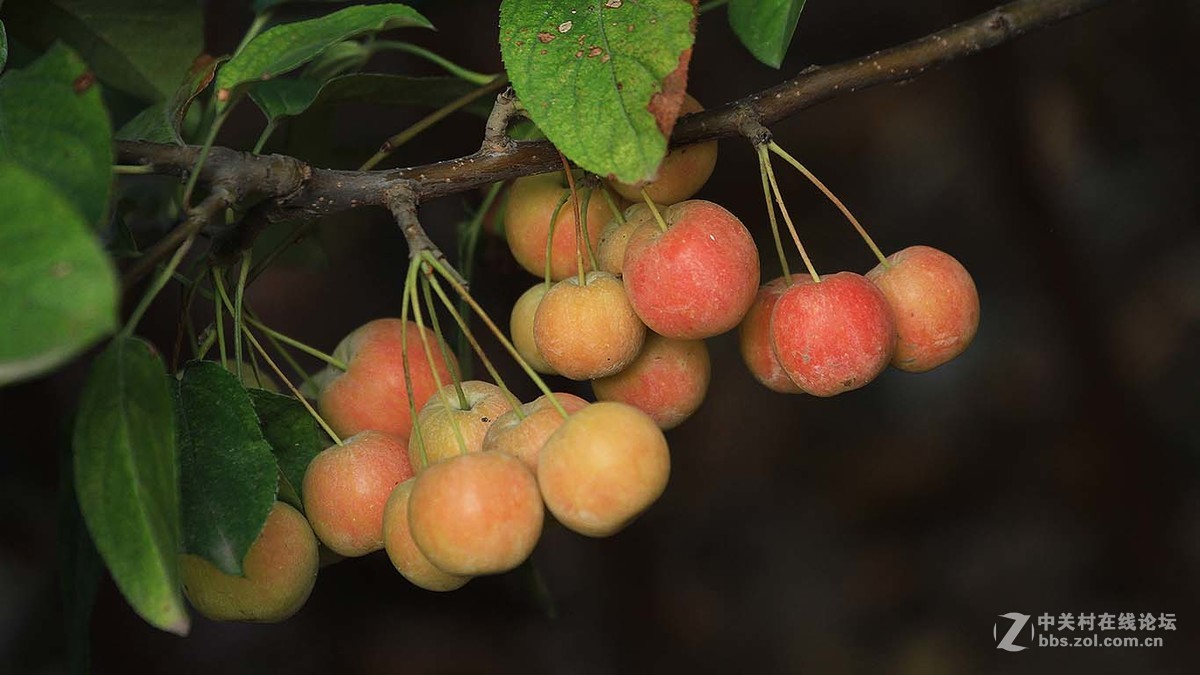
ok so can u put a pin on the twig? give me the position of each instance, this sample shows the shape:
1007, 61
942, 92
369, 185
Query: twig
403, 204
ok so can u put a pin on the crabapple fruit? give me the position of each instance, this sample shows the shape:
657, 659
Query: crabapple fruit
524, 438
346, 487
531, 203
402, 550
610, 252
754, 338
935, 304
587, 330
447, 418
278, 574
520, 326
667, 381
698, 278
371, 393
833, 336
603, 467
476, 514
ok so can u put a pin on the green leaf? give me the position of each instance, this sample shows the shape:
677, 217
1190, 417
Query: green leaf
586, 74
53, 122
226, 468
293, 434
290, 97
127, 479
162, 122
80, 567
3, 47
289, 46
58, 289
765, 27
142, 47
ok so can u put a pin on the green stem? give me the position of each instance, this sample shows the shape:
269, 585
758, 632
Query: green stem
437, 331
862, 231
239, 295
410, 278
219, 315
612, 204
562, 200
256, 26
487, 320
468, 244
438, 60
159, 282
211, 138
462, 325
262, 138
662, 224
265, 261
788, 219
390, 145
296, 344
291, 387
762, 170
437, 379
587, 235
580, 237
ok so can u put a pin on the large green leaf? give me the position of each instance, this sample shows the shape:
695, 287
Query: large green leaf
142, 47
291, 45
58, 290
162, 122
127, 479
294, 436
587, 73
226, 468
765, 26
53, 122
290, 97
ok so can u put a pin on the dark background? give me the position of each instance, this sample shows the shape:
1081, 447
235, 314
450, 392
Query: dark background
1052, 468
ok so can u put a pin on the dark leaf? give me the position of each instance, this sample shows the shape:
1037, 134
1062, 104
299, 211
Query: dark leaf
290, 97
294, 436
127, 479
765, 27
58, 289
226, 468
162, 122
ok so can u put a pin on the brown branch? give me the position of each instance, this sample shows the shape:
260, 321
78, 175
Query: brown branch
402, 202
297, 191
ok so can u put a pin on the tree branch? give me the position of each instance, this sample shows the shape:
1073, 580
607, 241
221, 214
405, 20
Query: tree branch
296, 191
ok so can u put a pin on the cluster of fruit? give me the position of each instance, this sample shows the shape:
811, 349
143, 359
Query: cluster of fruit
453, 478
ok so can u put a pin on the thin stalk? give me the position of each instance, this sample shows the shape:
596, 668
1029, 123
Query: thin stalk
562, 200
152, 292
211, 138
587, 236
219, 316
410, 278
437, 331
487, 320
437, 379
431, 281
788, 219
862, 231
239, 295
579, 235
296, 344
262, 138
291, 387
762, 170
612, 204
662, 224
468, 244
133, 169
449, 66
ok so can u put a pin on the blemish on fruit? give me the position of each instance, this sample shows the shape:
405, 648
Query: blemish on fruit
545, 38
565, 26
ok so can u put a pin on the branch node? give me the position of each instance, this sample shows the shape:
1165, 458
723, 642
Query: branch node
401, 200
749, 126
495, 134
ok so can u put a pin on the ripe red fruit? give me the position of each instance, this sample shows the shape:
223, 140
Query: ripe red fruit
935, 304
833, 336
371, 393
667, 381
402, 550
698, 278
754, 337
346, 487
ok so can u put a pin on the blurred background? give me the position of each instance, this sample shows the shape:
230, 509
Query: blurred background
1055, 467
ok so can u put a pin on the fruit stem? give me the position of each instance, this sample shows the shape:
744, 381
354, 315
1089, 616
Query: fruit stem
612, 204
156, 287
211, 138
587, 239
219, 315
788, 219
662, 224
429, 280
296, 344
224, 298
454, 69
291, 387
437, 379
410, 279
437, 330
133, 169
774, 147
579, 236
468, 243
762, 170
239, 295
487, 320
562, 200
